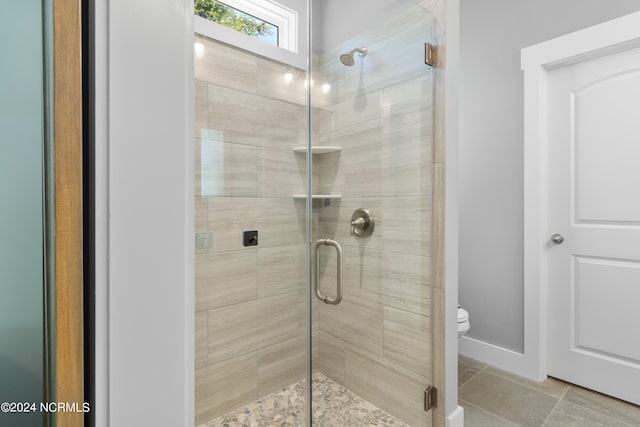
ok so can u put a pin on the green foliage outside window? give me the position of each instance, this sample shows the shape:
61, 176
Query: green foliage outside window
232, 18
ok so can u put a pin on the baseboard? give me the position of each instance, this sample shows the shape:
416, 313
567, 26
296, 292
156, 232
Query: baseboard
456, 418
495, 356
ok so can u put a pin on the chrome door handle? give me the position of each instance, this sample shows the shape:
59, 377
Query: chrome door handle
557, 238
316, 282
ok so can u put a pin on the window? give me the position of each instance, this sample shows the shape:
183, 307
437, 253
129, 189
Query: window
265, 20
235, 19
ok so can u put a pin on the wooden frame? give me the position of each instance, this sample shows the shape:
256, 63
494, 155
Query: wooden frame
69, 352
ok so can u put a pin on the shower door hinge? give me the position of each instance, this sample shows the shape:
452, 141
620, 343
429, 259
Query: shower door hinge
430, 398
430, 54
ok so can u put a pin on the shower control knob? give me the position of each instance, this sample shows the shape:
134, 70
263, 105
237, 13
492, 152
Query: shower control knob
557, 238
362, 223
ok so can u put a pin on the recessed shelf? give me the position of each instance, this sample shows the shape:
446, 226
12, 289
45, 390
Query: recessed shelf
318, 149
318, 196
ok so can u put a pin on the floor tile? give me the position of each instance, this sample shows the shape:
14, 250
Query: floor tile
508, 399
476, 417
609, 406
492, 396
467, 368
568, 414
550, 386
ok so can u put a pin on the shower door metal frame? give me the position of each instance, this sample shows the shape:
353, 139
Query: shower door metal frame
308, 407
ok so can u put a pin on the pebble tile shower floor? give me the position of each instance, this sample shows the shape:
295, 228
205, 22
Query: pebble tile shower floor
333, 406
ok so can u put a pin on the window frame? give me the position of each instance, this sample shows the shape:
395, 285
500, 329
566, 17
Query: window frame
274, 13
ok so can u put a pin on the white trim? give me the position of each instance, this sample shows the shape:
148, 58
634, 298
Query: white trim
537, 61
189, 225
101, 189
235, 38
609, 36
456, 418
494, 355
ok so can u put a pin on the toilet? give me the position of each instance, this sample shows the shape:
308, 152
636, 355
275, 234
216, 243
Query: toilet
463, 321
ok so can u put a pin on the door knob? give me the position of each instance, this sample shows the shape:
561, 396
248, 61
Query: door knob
557, 238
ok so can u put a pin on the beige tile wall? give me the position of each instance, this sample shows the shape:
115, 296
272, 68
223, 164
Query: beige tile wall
250, 322
377, 342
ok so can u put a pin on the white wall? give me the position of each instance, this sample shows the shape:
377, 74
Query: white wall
335, 21
491, 150
144, 191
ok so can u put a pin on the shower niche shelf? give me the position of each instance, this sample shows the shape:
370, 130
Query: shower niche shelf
318, 196
318, 149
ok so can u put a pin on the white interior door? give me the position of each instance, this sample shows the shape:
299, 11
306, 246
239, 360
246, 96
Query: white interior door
593, 120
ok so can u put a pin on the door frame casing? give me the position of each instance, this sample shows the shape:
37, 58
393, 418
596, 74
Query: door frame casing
536, 62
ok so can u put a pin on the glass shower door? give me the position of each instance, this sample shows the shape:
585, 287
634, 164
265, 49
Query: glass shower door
371, 147
316, 174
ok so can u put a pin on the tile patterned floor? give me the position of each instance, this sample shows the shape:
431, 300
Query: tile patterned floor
495, 398
334, 406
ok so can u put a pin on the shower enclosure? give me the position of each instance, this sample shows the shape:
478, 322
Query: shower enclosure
313, 221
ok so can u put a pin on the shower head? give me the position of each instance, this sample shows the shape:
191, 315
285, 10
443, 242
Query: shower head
347, 58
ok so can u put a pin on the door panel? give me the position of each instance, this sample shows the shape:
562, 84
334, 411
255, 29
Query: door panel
605, 116
378, 115
593, 325
594, 275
